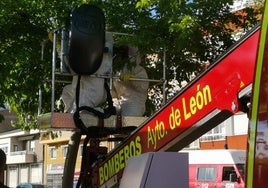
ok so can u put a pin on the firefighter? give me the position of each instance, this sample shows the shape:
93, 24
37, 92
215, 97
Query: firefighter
92, 92
129, 95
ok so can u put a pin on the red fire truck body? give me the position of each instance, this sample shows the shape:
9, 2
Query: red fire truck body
204, 103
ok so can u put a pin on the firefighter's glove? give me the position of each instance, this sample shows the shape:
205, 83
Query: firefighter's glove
126, 77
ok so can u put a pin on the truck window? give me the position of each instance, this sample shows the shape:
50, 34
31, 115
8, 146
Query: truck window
206, 174
241, 169
226, 172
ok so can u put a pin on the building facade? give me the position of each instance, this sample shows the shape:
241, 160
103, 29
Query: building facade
230, 134
24, 153
241, 4
55, 152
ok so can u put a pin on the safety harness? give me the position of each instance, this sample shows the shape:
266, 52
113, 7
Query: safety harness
92, 131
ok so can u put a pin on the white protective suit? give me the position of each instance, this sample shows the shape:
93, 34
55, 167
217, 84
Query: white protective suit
131, 95
92, 93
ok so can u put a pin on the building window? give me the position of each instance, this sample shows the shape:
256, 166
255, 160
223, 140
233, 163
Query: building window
53, 152
24, 173
32, 146
194, 145
13, 175
16, 147
54, 180
217, 133
64, 151
36, 173
4, 148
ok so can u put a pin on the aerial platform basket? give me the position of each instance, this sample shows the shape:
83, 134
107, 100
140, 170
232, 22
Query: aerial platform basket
57, 120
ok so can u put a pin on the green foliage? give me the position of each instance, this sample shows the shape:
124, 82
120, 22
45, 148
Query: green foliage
178, 27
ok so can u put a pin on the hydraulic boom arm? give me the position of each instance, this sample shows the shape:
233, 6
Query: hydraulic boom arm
208, 100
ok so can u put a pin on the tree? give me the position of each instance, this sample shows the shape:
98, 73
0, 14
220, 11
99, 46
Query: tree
190, 32
24, 27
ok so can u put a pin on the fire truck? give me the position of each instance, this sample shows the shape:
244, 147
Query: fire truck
216, 168
235, 80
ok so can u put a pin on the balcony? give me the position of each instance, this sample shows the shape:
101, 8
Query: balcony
211, 137
21, 157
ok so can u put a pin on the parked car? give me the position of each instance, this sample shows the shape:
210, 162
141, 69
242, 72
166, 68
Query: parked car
30, 185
